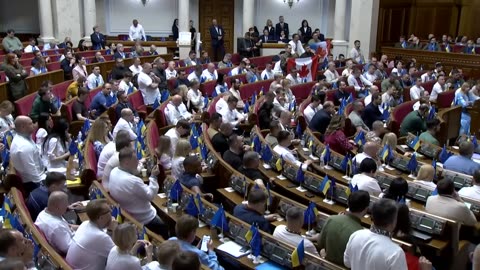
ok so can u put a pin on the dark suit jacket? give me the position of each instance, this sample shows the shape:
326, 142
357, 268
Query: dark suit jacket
415, 46
271, 32
214, 35
118, 55
371, 114
95, 60
264, 115
320, 121
243, 45
262, 38
321, 37
399, 45
98, 41
67, 69
306, 35
468, 50
279, 29
436, 48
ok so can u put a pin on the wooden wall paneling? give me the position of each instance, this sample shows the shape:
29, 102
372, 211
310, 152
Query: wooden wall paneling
223, 11
469, 21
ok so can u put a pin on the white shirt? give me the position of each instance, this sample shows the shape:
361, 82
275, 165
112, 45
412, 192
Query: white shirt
309, 112
177, 167
387, 98
171, 74
25, 157
470, 192
437, 89
370, 77
347, 72
287, 155
135, 70
120, 260
136, 32
149, 93
297, 48
357, 55
107, 152
416, 92
352, 81
29, 48
236, 93
47, 46
360, 157
294, 81
123, 86
231, 116
51, 150
90, 247
112, 163
368, 99
267, 75
56, 230
174, 136
133, 195
425, 77
94, 81
283, 235
193, 76
175, 113
221, 105
370, 251
236, 71
195, 98
123, 124
427, 184
367, 183
331, 76
208, 76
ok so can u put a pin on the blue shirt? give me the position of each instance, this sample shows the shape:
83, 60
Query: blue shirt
189, 180
37, 201
461, 164
99, 103
251, 216
206, 258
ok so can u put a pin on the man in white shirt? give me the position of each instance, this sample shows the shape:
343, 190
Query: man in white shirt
312, 108
293, 77
126, 122
373, 249
230, 114
170, 71
52, 45
370, 150
240, 69
331, 74
147, 86
136, 31
291, 233
195, 74
369, 75
417, 91
473, 191
356, 54
348, 68
108, 151
364, 179
31, 47
284, 141
368, 99
121, 142
438, 88
181, 129
91, 244
95, 79
267, 73
387, 97
358, 82
133, 195
297, 47
136, 67
209, 74
52, 224
427, 76
176, 111
25, 155
192, 59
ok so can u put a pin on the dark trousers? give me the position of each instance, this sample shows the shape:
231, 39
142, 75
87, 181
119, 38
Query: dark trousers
157, 226
218, 52
29, 187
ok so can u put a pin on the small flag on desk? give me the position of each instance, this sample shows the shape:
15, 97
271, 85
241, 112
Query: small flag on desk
156, 104
344, 164
300, 175
386, 153
298, 254
219, 220
246, 108
325, 185
256, 144
176, 191
250, 232
85, 129
326, 154
431, 113
310, 214
279, 164
351, 189
204, 151
360, 138
415, 143
267, 154
444, 154
412, 163
386, 113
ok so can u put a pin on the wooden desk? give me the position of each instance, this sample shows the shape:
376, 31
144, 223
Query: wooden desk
163, 47
34, 82
272, 48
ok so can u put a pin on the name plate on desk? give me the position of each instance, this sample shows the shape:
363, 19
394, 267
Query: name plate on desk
459, 179
426, 223
276, 252
418, 192
238, 183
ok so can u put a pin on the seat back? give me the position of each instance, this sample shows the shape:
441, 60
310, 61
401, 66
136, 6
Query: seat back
445, 99
91, 94
152, 137
207, 88
429, 85
302, 91
211, 107
247, 90
136, 99
60, 89
23, 106
398, 114
261, 61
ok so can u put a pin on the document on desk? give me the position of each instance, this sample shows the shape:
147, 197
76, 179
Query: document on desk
233, 249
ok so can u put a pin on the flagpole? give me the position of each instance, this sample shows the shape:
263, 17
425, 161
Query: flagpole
221, 237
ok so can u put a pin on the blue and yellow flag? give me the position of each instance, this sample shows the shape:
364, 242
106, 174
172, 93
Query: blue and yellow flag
7, 139
300, 175
360, 138
412, 163
85, 129
298, 254
267, 154
325, 185
279, 164
326, 154
176, 191
310, 214
256, 243
385, 154
95, 193
156, 104
351, 189
219, 220
250, 233
256, 144
117, 214
142, 235
415, 143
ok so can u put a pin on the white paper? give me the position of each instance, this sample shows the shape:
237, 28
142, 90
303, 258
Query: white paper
281, 177
312, 157
162, 195
266, 166
184, 38
301, 189
233, 249
229, 189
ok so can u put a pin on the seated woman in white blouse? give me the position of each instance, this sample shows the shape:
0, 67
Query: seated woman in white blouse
164, 152
195, 98
284, 141
425, 176
182, 150
55, 147
124, 254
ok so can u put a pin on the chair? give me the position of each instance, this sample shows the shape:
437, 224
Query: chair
445, 99
302, 91
60, 89
136, 99
247, 90
152, 137
89, 172
23, 106
207, 88
398, 114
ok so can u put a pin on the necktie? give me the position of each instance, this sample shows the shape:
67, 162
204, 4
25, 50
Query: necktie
96, 82
359, 82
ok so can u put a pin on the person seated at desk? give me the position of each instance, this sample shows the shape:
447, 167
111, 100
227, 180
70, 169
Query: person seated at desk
473, 191
321, 119
182, 150
425, 177
315, 105
38, 198
463, 163
341, 94
272, 136
234, 155
449, 205
433, 126
214, 124
44, 102
90, 240
265, 111
191, 176
220, 140
292, 232
415, 121
355, 117
370, 150
338, 228
176, 110
251, 161
372, 112
165, 254
439, 87
186, 231
364, 179
99, 101
397, 190
335, 137
230, 114
54, 227
284, 141
253, 211
122, 141
376, 133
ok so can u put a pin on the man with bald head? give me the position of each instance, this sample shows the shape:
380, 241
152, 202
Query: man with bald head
370, 150
368, 99
127, 123
209, 74
52, 224
463, 163
170, 71
415, 122
25, 155
285, 120
147, 85
176, 111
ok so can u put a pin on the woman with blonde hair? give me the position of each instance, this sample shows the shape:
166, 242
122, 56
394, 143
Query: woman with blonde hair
164, 152
334, 136
390, 139
124, 254
99, 135
286, 83
182, 150
6, 119
425, 176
